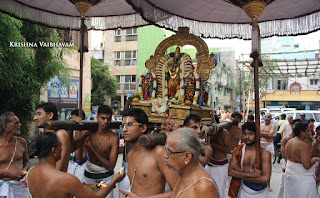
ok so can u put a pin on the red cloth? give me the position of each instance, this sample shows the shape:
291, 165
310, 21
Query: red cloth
236, 182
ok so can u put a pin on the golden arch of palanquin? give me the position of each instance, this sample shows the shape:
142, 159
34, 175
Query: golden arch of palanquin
204, 62
155, 80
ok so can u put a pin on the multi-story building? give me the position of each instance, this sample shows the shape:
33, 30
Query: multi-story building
119, 49
294, 76
65, 92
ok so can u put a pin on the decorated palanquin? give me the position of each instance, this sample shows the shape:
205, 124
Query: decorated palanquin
172, 84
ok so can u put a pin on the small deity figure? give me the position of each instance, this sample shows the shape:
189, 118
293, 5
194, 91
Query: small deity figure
190, 87
146, 86
172, 73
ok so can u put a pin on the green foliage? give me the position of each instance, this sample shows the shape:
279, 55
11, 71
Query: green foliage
24, 70
104, 84
249, 76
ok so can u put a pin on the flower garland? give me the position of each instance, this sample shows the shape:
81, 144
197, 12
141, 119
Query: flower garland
159, 105
154, 84
159, 73
196, 94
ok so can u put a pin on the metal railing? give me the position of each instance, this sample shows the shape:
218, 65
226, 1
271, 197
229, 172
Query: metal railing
127, 86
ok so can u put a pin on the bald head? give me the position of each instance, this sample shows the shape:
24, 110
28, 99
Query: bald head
185, 139
267, 118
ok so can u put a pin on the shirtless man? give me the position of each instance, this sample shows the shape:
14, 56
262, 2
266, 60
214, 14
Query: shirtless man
194, 122
182, 152
147, 169
284, 142
103, 148
235, 130
45, 180
14, 161
47, 112
266, 132
219, 163
243, 168
79, 156
299, 180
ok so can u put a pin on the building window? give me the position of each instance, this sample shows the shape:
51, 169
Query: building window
219, 90
226, 91
125, 58
117, 36
127, 82
69, 36
313, 81
131, 34
282, 84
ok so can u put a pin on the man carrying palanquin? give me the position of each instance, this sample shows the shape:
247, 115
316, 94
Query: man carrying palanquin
147, 169
47, 112
194, 122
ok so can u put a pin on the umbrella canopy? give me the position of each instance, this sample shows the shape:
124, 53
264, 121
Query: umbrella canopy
214, 18
106, 14
227, 19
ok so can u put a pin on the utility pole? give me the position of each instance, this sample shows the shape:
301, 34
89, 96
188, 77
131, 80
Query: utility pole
240, 89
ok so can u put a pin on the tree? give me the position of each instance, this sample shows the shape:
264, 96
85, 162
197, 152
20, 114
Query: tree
104, 84
25, 69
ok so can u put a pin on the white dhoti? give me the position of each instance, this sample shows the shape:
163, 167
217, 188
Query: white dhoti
12, 189
268, 146
77, 168
299, 182
281, 188
246, 192
95, 174
218, 169
124, 185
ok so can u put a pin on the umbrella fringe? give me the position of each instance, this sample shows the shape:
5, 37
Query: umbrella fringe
285, 27
61, 21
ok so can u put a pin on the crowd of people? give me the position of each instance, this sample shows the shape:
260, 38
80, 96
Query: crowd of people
190, 164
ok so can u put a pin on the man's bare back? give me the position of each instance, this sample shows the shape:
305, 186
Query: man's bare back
62, 164
221, 144
45, 180
298, 151
205, 187
235, 136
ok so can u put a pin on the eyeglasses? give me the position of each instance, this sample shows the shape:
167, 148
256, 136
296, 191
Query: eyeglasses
129, 124
171, 152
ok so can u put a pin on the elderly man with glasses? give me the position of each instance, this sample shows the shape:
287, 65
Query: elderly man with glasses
147, 170
182, 152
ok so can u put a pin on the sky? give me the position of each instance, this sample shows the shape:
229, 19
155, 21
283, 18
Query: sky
307, 42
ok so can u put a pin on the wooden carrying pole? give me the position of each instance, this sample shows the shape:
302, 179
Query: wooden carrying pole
256, 62
72, 125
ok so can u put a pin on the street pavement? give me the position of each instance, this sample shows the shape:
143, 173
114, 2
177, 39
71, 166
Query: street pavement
275, 177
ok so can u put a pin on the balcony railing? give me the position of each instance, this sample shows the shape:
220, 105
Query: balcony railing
126, 86
131, 37
123, 62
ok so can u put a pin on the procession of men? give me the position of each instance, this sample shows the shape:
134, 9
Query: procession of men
189, 164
